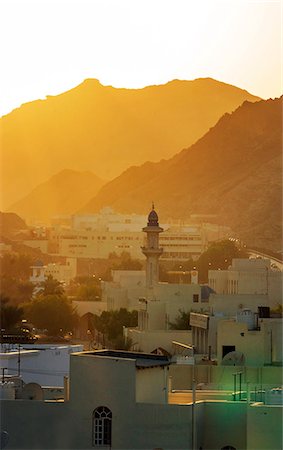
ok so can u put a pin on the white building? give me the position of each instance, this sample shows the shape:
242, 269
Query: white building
98, 235
248, 277
258, 341
44, 364
182, 243
60, 272
161, 302
119, 400
108, 220
127, 287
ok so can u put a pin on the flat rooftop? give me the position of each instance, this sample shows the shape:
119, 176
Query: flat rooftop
142, 360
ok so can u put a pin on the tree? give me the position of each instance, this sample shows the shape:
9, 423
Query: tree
18, 291
88, 293
219, 255
52, 312
122, 262
16, 266
111, 323
122, 343
51, 287
10, 315
85, 288
181, 321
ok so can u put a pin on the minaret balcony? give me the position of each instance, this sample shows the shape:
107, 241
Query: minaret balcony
151, 251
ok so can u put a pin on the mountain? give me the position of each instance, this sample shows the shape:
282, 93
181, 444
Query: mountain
10, 224
61, 194
106, 130
234, 171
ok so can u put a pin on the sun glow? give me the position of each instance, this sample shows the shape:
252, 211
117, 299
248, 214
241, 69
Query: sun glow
52, 45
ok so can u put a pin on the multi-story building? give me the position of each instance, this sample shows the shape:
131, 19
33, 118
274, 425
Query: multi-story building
96, 243
98, 235
182, 243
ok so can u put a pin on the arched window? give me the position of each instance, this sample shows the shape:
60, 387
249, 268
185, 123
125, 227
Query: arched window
101, 427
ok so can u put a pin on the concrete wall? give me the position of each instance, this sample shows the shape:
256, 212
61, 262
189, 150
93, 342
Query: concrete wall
162, 427
53, 425
221, 377
149, 340
237, 334
267, 341
228, 304
151, 385
247, 276
224, 424
104, 381
264, 427
36, 425
156, 315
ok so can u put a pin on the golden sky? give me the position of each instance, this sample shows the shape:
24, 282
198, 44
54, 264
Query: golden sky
49, 46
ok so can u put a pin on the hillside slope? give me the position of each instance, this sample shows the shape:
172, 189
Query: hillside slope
10, 224
61, 194
106, 130
235, 171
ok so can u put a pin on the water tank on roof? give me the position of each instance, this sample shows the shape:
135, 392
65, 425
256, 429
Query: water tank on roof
7, 390
248, 317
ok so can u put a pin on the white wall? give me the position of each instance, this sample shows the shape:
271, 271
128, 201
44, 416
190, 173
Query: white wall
152, 385
45, 365
149, 340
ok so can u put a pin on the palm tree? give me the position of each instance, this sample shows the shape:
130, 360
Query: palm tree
51, 287
10, 315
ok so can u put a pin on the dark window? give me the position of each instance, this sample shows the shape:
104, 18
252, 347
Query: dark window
102, 425
195, 298
225, 350
228, 447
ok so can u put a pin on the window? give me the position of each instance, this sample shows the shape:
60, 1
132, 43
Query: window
227, 349
195, 298
102, 425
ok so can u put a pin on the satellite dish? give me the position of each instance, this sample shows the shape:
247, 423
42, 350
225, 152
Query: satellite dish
32, 391
234, 359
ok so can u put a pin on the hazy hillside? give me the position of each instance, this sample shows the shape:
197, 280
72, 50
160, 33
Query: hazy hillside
235, 171
106, 130
61, 194
10, 224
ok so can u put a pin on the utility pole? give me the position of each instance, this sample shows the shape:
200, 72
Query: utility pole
3, 374
235, 385
193, 411
19, 360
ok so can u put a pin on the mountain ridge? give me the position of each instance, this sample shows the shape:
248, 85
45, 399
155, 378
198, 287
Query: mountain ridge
53, 197
234, 169
87, 126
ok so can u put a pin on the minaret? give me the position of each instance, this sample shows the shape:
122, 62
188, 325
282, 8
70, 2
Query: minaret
152, 251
